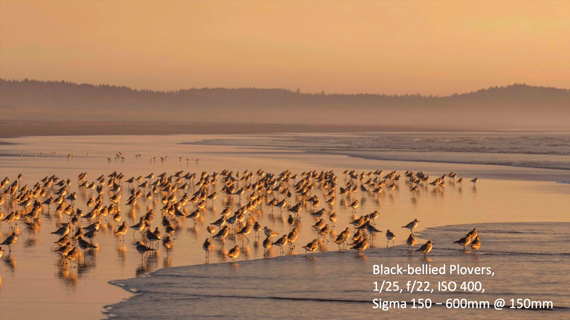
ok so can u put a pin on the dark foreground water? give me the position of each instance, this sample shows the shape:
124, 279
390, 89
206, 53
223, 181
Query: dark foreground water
527, 261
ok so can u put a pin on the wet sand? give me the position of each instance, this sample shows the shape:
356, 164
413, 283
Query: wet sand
33, 264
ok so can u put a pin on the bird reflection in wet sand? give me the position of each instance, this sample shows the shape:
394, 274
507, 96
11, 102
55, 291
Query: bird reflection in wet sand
10, 261
68, 275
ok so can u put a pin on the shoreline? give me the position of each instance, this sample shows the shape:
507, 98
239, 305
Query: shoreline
158, 285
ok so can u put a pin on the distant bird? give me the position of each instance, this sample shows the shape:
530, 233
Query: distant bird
207, 246
465, 241
390, 236
426, 248
267, 244
412, 225
72, 254
85, 245
211, 229
269, 233
361, 246
475, 180
473, 233
411, 241
10, 241
142, 249
281, 242
122, 230
354, 205
167, 243
234, 253
256, 228
476, 243
223, 233
311, 246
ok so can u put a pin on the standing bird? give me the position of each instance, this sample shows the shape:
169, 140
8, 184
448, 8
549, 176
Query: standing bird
426, 248
473, 233
256, 228
354, 205
207, 246
142, 249
234, 253
211, 230
465, 241
267, 244
476, 243
223, 233
268, 232
475, 180
411, 241
167, 243
85, 245
362, 245
292, 237
10, 241
122, 230
412, 225
72, 254
281, 242
390, 236
311, 246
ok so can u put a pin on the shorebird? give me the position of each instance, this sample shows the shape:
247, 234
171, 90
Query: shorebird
411, 241
207, 246
234, 253
354, 205
142, 249
362, 245
281, 242
223, 233
139, 226
390, 236
473, 233
269, 233
267, 244
426, 248
122, 230
476, 243
85, 245
245, 231
10, 241
311, 246
64, 249
167, 243
72, 254
341, 238
292, 237
211, 230
475, 180
465, 241
372, 216
64, 230
412, 225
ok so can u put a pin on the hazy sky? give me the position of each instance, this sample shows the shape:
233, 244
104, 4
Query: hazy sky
428, 47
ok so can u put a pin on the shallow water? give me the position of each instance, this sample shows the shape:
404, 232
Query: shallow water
35, 284
548, 150
525, 261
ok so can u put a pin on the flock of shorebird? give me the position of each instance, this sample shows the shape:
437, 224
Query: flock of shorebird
185, 196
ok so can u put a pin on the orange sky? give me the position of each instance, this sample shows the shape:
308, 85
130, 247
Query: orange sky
427, 47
